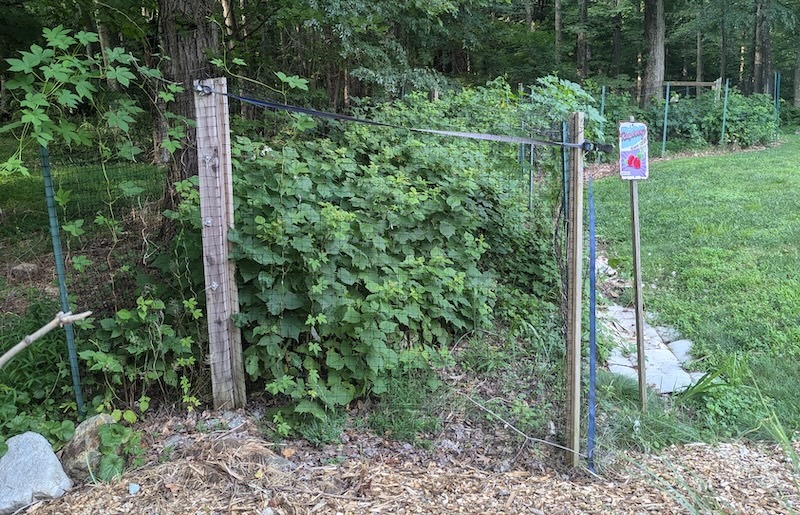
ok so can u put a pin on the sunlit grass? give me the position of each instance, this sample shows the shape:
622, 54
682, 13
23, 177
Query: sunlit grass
720, 255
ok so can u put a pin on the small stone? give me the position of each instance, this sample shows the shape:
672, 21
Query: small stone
267, 511
30, 471
24, 272
134, 488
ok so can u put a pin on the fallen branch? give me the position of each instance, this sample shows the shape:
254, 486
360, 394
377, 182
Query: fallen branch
60, 320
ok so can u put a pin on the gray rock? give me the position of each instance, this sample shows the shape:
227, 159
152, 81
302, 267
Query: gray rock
624, 371
668, 334
82, 452
24, 272
682, 350
29, 471
658, 356
617, 357
669, 378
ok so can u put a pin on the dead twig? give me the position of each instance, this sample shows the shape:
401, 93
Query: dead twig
60, 320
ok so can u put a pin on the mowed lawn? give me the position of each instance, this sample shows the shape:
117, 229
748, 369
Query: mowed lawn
720, 255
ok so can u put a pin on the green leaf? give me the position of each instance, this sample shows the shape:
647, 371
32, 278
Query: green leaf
334, 360
111, 466
239, 62
127, 150
67, 98
35, 117
58, 37
20, 80
129, 416
84, 38
34, 100
306, 406
118, 55
18, 65
85, 89
351, 316
121, 74
130, 189
80, 263
447, 229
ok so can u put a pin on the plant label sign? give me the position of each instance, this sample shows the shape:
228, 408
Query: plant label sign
633, 162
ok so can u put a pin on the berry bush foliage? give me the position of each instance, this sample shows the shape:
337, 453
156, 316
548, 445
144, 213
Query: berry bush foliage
374, 247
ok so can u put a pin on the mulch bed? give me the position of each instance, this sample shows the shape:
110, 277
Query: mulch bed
236, 470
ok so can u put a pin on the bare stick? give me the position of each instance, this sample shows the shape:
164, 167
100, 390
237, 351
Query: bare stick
60, 320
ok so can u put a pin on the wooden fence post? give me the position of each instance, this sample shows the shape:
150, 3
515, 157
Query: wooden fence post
216, 212
574, 290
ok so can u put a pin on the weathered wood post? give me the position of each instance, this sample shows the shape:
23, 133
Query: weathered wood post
216, 211
574, 290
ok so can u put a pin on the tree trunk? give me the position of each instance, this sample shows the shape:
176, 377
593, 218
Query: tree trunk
616, 48
654, 31
105, 44
231, 27
582, 48
766, 47
558, 31
758, 49
185, 34
797, 74
699, 62
529, 15
723, 51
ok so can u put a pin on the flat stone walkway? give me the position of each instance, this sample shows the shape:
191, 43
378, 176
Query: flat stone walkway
665, 353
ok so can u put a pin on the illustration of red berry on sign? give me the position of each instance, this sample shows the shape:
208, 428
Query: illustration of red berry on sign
631, 157
637, 163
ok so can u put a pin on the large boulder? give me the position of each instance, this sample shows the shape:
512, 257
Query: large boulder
30, 471
82, 452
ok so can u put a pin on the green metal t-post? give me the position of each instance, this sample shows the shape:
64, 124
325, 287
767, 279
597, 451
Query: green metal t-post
666, 113
777, 103
49, 194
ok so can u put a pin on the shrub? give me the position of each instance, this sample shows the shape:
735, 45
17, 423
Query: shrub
375, 246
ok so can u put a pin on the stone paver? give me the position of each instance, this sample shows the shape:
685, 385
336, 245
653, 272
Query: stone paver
665, 352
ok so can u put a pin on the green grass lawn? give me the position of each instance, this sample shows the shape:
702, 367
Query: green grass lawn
721, 258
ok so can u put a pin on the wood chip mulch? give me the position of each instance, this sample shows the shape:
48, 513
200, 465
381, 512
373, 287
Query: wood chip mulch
240, 472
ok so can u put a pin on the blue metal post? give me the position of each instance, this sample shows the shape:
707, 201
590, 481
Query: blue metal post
724, 112
62, 283
666, 113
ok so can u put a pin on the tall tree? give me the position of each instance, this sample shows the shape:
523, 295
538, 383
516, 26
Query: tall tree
582, 48
797, 71
558, 30
186, 33
654, 32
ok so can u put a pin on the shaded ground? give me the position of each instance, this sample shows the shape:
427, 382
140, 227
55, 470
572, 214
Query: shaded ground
234, 469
